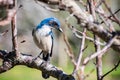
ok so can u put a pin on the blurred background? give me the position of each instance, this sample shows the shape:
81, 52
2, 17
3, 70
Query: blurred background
30, 16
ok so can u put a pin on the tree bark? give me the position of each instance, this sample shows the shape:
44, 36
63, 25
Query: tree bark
10, 60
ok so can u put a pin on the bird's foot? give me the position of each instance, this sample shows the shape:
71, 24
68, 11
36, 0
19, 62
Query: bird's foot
45, 75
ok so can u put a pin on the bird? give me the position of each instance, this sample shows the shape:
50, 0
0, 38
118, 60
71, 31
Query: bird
43, 38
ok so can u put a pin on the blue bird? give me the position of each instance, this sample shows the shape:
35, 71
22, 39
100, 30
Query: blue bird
43, 36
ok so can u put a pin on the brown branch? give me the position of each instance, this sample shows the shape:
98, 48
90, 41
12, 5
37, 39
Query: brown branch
14, 34
98, 59
114, 68
109, 17
7, 20
80, 55
10, 60
78, 34
101, 52
69, 51
113, 15
7, 9
4, 33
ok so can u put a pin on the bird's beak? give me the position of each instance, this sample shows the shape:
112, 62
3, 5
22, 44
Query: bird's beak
60, 29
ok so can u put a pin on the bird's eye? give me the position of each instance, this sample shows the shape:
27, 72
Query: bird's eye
52, 23
55, 24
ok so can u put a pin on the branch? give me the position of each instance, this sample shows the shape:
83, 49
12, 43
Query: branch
4, 33
114, 68
7, 20
80, 55
78, 34
113, 15
7, 10
69, 51
10, 60
86, 20
14, 33
109, 17
101, 52
98, 59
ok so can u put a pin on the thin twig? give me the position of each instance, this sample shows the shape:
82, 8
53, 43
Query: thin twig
14, 32
71, 56
69, 51
101, 52
77, 34
4, 33
113, 15
108, 21
80, 52
114, 68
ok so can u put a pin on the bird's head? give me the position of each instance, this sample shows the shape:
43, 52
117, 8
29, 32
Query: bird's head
52, 22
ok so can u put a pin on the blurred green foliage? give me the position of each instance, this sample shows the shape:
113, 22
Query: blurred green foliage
25, 73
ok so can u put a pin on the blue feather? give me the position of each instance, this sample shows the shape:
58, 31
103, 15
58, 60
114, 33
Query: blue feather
46, 22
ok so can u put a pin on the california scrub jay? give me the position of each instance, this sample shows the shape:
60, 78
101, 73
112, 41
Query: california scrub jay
43, 36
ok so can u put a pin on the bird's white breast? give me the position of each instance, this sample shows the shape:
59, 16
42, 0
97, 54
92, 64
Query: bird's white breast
42, 39
44, 30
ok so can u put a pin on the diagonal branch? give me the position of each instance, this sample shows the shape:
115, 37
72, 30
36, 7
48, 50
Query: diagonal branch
101, 52
113, 15
69, 51
10, 60
114, 68
109, 17
78, 34
80, 55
